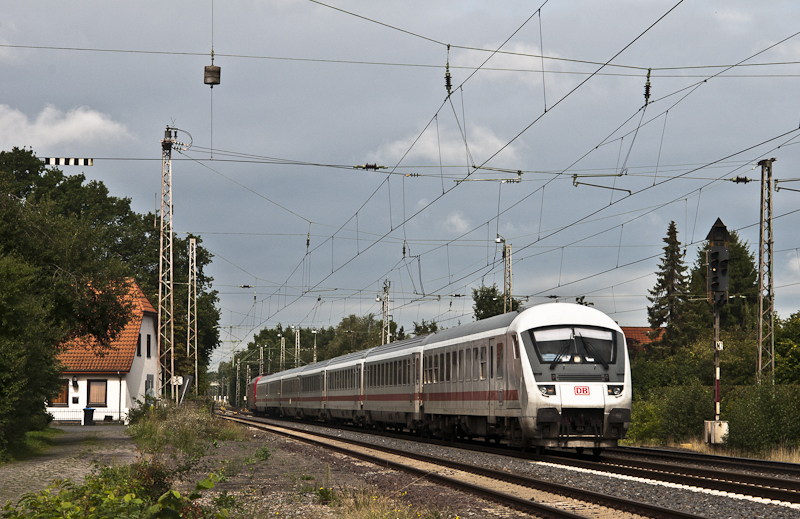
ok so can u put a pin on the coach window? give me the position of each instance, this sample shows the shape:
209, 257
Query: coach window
499, 360
475, 364
483, 363
454, 366
447, 368
398, 374
441, 367
467, 366
516, 346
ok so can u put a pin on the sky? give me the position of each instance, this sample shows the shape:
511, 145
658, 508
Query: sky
549, 93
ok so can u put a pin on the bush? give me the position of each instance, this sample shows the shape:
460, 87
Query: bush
671, 414
683, 411
761, 417
137, 491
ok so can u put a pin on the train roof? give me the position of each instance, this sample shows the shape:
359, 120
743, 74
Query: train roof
398, 346
477, 327
554, 314
349, 357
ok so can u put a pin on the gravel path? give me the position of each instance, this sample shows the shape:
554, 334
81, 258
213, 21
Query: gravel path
71, 457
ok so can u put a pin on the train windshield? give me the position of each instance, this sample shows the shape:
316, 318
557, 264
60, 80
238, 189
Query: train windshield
574, 345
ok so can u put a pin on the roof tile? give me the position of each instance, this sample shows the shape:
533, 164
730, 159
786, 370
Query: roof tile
78, 357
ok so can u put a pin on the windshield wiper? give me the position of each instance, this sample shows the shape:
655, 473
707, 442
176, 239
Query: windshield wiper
561, 353
588, 344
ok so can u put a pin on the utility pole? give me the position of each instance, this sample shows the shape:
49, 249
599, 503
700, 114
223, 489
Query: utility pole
718, 281
386, 330
766, 303
191, 309
166, 333
283, 351
314, 331
238, 381
261, 360
506, 273
296, 345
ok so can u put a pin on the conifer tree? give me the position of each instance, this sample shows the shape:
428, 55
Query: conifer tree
669, 295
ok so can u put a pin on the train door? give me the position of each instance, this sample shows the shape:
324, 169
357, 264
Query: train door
492, 393
501, 372
416, 388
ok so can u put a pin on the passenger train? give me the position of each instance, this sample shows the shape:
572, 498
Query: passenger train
555, 375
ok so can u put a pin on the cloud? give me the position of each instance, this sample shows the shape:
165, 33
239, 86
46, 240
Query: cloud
457, 222
53, 127
483, 143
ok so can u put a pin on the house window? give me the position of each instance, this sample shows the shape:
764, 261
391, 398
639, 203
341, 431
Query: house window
97, 393
61, 399
148, 345
139, 346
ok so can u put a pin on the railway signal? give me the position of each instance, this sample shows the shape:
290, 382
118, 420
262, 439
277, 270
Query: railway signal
718, 283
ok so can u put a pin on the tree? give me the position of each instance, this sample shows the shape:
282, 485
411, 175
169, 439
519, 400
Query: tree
131, 240
425, 328
669, 296
58, 283
489, 302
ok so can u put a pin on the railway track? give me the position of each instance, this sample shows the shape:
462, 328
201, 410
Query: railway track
519, 492
740, 464
734, 483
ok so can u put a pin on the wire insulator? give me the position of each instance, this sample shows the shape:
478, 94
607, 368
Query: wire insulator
647, 88
741, 180
448, 80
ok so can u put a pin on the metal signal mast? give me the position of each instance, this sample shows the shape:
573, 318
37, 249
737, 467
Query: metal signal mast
191, 307
386, 331
766, 301
166, 324
166, 329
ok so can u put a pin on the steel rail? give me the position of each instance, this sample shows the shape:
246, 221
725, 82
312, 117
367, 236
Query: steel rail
699, 457
617, 503
710, 479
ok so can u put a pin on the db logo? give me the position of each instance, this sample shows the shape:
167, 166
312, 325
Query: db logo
581, 390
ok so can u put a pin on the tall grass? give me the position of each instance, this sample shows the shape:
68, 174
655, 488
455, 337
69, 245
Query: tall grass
185, 431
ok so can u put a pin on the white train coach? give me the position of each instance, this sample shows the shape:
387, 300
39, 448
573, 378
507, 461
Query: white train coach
555, 375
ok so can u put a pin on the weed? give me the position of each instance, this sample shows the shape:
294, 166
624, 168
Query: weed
263, 453
223, 500
325, 495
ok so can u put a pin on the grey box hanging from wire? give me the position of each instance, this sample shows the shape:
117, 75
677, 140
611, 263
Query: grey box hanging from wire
211, 76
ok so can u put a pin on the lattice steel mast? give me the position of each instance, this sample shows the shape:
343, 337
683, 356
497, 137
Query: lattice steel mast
766, 294
166, 329
191, 309
386, 331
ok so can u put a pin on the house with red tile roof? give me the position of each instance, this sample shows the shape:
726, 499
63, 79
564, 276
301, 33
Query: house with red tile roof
112, 381
638, 338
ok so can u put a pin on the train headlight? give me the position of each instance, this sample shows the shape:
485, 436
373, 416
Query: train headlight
615, 390
547, 390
